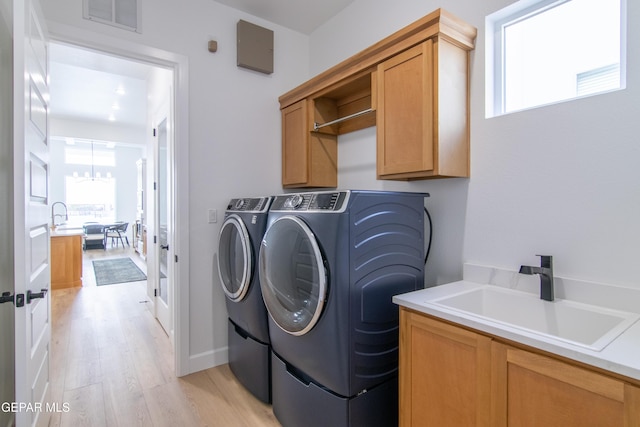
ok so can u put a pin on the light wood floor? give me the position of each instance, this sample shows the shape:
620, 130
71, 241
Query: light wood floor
112, 363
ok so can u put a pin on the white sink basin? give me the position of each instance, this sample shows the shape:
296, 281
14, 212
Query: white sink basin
576, 323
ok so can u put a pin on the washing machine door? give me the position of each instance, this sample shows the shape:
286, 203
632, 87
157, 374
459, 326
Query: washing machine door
235, 259
292, 275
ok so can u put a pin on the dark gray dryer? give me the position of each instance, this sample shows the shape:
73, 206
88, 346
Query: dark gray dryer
248, 329
330, 263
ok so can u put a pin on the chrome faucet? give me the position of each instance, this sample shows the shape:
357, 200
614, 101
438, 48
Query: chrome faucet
54, 215
546, 276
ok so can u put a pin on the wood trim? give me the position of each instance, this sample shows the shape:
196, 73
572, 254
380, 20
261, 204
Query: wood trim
439, 21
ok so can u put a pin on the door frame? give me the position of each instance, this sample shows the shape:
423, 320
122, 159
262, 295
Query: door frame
179, 64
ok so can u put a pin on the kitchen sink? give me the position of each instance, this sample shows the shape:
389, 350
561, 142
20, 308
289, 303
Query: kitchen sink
585, 325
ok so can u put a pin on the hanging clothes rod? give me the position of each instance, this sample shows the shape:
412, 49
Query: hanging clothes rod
317, 126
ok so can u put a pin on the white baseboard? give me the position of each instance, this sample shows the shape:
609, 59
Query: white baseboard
208, 359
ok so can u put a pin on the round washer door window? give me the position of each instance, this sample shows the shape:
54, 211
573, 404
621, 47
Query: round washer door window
292, 275
235, 261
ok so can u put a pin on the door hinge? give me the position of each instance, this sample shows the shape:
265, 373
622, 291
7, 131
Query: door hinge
155, 187
176, 257
154, 131
155, 239
155, 292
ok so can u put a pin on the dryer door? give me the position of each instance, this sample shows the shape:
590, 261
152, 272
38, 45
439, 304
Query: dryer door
235, 260
292, 275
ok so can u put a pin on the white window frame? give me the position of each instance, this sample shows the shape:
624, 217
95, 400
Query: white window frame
495, 61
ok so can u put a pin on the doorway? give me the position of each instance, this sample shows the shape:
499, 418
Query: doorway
159, 75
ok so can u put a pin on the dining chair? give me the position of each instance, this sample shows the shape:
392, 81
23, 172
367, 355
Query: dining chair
118, 232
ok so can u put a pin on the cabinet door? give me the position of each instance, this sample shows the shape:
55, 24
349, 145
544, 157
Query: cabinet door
535, 390
295, 146
445, 377
405, 103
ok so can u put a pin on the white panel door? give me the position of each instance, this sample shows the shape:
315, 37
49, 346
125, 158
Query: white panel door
31, 215
164, 219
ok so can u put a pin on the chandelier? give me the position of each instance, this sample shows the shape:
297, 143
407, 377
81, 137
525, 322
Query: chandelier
93, 176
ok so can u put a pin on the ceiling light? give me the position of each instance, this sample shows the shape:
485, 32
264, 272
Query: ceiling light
120, 90
115, 106
112, 118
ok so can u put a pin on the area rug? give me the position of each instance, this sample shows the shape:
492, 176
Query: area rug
118, 270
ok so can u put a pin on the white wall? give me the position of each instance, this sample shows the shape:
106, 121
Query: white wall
562, 180
86, 129
234, 130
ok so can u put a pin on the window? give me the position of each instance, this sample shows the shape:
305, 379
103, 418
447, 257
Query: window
89, 182
90, 200
123, 14
543, 51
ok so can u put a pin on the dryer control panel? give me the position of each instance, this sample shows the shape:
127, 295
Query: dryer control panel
322, 201
260, 204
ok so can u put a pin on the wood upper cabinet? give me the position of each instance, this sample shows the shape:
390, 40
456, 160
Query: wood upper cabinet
422, 113
309, 159
413, 85
452, 376
445, 377
536, 390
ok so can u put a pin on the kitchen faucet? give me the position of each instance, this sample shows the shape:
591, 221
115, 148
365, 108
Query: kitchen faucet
546, 276
53, 215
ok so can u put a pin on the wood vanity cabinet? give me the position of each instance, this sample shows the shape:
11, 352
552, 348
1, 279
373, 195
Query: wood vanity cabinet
445, 374
450, 375
532, 389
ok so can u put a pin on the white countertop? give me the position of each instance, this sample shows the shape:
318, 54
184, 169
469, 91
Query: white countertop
58, 232
621, 356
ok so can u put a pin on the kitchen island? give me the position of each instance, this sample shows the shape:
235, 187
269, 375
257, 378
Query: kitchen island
66, 258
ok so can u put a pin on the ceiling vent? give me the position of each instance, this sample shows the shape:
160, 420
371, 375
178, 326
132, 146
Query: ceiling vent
123, 14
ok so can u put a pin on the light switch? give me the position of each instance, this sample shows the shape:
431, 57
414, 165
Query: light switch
213, 216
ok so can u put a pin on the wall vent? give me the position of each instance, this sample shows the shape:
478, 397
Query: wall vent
123, 14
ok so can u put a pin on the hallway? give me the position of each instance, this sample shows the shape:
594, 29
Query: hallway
112, 364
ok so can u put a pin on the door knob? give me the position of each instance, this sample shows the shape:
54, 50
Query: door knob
164, 247
34, 295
